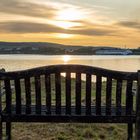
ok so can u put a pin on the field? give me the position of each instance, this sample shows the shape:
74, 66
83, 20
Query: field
48, 131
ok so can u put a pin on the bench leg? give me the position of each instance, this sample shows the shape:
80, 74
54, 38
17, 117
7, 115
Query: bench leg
130, 131
8, 130
137, 129
0, 130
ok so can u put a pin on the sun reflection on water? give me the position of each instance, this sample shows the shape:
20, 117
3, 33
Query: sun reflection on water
66, 58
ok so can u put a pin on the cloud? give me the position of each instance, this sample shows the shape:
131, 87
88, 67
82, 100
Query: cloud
30, 27
26, 8
27, 27
92, 32
129, 24
47, 11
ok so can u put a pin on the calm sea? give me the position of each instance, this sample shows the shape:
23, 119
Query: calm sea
21, 62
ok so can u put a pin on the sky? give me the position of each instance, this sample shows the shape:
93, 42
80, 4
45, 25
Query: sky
113, 23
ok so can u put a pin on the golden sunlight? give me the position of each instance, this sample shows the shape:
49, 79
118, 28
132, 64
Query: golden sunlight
62, 35
66, 24
68, 18
66, 58
70, 14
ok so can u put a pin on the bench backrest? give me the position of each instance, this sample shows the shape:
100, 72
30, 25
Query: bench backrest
47, 86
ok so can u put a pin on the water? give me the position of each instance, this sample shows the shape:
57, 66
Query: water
22, 62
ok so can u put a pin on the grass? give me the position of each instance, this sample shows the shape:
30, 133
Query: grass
69, 131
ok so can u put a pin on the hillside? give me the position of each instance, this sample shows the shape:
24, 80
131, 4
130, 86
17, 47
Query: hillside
54, 48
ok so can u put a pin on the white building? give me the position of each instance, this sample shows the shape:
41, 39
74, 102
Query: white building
113, 52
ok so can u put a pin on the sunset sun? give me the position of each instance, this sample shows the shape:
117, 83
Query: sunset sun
69, 14
66, 24
68, 18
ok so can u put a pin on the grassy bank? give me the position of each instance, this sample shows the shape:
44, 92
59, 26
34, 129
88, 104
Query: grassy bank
49, 131
69, 131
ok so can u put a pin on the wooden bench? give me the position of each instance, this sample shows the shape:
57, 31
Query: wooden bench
50, 94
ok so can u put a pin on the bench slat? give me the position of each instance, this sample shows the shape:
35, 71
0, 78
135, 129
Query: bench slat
28, 94
48, 92
38, 94
108, 95
129, 97
8, 95
18, 95
98, 94
58, 92
118, 96
68, 93
88, 94
78, 93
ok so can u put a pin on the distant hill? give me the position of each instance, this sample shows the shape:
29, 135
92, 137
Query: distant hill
51, 48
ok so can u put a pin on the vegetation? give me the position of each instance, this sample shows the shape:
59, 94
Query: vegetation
69, 131
46, 48
136, 51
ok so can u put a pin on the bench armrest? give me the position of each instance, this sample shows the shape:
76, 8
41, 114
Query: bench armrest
138, 109
2, 93
0, 102
138, 96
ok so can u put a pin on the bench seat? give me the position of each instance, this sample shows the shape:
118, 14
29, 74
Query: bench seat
46, 116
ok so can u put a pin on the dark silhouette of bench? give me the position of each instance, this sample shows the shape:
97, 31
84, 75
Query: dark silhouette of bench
55, 102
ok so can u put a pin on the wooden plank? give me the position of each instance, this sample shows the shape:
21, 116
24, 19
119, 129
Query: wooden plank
98, 94
74, 118
38, 94
8, 130
58, 92
1, 128
68, 93
130, 131
78, 93
48, 92
28, 94
88, 94
0, 95
8, 95
108, 95
73, 69
129, 97
18, 95
118, 96
1, 107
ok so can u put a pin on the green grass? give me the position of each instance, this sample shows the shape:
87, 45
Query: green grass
69, 131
